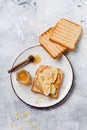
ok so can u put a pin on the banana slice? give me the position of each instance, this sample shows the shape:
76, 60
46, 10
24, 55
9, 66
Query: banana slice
41, 78
48, 79
46, 89
48, 76
53, 89
54, 74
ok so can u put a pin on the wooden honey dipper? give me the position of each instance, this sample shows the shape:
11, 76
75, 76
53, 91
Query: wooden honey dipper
26, 61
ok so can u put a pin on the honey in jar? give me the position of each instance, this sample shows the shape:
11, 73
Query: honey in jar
23, 77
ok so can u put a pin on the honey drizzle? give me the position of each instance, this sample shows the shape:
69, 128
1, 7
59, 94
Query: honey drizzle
37, 59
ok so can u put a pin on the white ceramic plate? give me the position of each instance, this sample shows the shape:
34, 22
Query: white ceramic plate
25, 93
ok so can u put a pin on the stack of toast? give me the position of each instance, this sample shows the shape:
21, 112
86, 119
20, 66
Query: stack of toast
60, 38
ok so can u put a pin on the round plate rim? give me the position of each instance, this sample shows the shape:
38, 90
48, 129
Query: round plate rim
40, 106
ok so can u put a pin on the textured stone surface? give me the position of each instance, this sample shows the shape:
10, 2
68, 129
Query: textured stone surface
21, 23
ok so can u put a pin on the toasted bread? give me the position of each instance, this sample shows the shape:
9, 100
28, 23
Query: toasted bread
66, 33
55, 50
38, 88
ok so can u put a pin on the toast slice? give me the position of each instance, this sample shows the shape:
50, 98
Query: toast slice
66, 33
55, 50
38, 87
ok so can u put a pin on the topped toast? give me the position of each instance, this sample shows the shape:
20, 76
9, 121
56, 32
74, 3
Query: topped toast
47, 81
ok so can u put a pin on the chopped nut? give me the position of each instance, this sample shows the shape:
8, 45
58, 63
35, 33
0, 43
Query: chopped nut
39, 122
20, 128
17, 115
26, 114
12, 124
